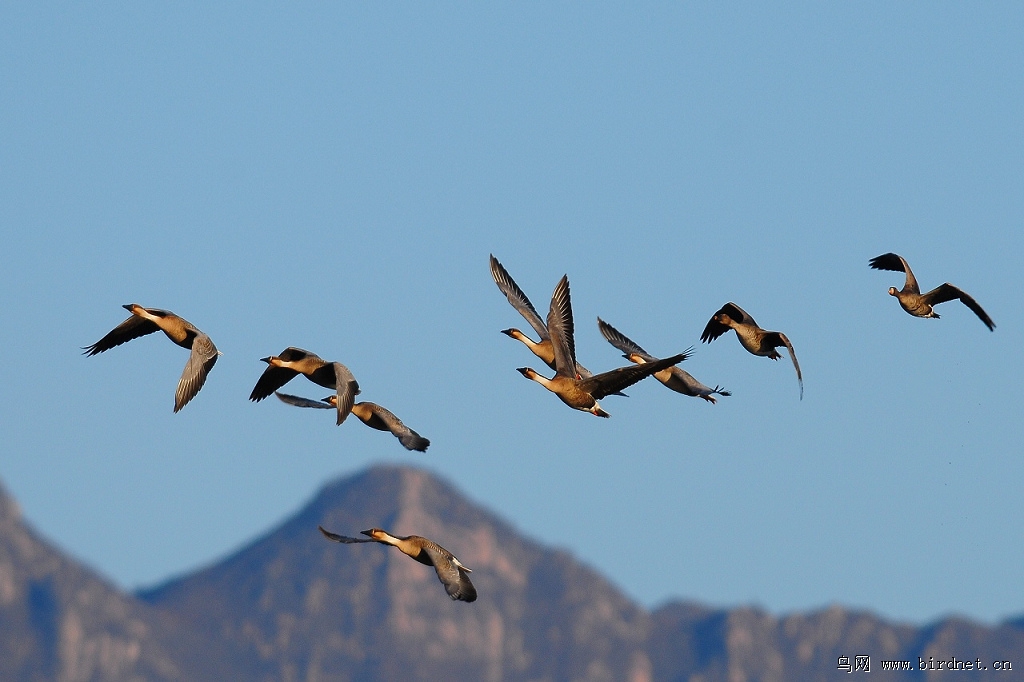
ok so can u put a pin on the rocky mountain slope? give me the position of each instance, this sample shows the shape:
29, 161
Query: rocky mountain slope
293, 606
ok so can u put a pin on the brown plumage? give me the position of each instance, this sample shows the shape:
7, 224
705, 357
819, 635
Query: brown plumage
583, 394
543, 348
294, 361
674, 378
920, 305
756, 340
452, 574
371, 414
179, 330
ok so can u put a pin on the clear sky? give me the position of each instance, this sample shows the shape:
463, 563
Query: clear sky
334, 176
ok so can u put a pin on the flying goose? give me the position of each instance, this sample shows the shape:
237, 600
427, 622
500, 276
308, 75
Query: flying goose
756, 340
179, 330
583, 393
920, 305
452, 574
543, 348
294, 361
674, 378
371, 414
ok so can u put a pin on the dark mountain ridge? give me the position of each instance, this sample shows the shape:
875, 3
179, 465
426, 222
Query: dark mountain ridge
293, 606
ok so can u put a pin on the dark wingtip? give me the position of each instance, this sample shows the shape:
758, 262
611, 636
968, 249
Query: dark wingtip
887, 261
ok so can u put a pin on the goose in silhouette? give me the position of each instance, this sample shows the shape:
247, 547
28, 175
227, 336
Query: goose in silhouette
371, 414
674, 378
756, 340
583, 393
452, 574
920, 305
179, 330
294, 361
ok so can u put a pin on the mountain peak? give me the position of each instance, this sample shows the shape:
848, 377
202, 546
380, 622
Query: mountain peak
539, 613
292, 605
10, 511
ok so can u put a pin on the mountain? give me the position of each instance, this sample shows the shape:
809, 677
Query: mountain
293, 606
300, 607
60, 621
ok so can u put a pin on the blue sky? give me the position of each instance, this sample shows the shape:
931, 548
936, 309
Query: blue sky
334, 177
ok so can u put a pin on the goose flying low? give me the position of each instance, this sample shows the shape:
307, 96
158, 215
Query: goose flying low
450, 571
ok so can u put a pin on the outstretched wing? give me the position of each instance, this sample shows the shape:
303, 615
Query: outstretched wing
132, 328
714, 328
622, 342
452, 574
737, 313
200, 361
347, 388
303, 402
606, 383
385, 419
779, 339
948, 292
517, 298
560, 329
274, 378
896, 263
342, 538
